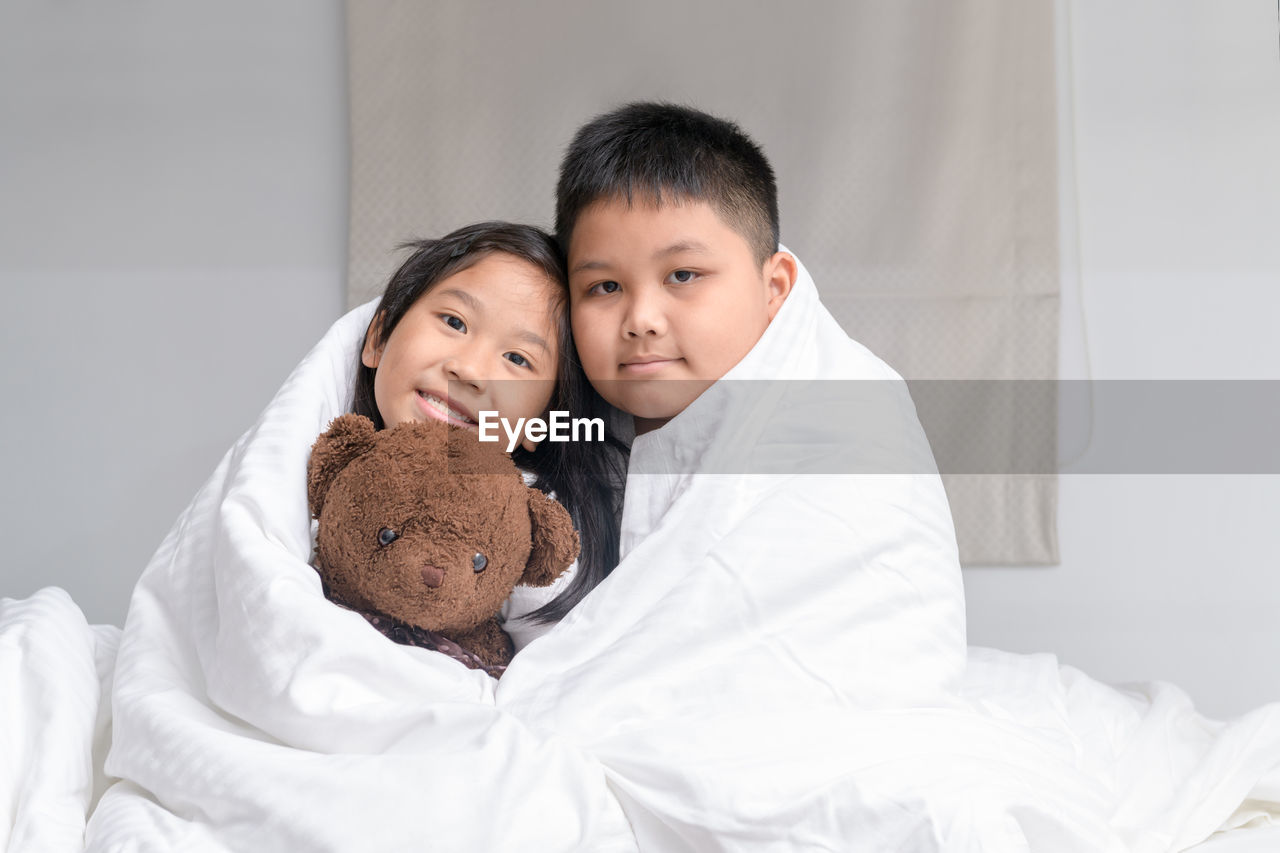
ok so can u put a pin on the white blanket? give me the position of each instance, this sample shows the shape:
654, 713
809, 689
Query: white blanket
55, 674
778, 664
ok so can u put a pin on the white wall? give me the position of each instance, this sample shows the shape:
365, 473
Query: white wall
172, 241
172, 231
1177, 167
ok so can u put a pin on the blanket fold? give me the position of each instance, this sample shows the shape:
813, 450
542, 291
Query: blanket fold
259, 716
55, 682
778, 663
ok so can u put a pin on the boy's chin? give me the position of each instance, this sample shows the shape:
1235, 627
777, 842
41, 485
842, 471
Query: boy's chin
653, 403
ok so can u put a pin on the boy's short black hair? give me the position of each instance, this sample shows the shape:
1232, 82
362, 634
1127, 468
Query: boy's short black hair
668, 153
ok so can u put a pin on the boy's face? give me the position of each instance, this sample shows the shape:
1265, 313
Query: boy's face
664, 300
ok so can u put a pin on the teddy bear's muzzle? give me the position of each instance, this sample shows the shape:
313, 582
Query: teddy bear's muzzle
432, 576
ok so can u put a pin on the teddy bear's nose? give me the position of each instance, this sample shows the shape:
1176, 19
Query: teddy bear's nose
432, 576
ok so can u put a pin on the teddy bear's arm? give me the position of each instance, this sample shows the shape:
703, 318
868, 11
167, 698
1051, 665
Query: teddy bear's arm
489, 643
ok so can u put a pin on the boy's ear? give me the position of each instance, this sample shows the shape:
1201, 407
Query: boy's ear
780, 274
372, 352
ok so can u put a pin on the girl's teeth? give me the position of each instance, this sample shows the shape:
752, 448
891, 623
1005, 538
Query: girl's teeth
443, 408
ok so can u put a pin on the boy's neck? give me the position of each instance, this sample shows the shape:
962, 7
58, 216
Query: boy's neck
644, 425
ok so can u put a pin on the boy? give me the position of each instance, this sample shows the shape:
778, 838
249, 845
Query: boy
669, 218
723, 668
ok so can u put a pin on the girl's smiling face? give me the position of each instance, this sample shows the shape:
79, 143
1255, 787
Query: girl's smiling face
483, 339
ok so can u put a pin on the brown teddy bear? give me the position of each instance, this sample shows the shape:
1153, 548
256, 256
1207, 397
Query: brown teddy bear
425, 531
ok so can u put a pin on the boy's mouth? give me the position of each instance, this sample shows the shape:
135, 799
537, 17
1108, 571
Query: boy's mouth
445, 410
642, 365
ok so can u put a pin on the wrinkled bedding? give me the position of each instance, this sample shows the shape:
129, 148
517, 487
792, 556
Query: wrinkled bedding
778, 664
55, 715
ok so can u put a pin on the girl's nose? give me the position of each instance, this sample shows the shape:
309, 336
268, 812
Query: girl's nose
462, 367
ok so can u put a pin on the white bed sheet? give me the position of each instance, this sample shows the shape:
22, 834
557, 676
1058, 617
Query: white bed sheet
1262, 839
701, 699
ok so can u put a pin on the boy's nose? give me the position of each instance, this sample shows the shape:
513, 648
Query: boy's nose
644, 317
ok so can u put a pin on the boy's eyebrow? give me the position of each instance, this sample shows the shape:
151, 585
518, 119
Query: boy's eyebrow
589, 265
680, 248
673, 249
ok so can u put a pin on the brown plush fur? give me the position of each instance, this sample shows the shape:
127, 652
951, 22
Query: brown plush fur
446, 497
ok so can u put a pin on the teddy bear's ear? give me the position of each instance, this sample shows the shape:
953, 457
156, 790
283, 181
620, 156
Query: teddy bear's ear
346, 438
555, 542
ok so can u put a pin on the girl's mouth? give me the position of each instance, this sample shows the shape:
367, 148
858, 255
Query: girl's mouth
440, 409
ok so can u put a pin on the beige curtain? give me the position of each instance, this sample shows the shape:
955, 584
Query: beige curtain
914, 143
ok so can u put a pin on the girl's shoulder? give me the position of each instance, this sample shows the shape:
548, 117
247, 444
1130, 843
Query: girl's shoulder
525, 600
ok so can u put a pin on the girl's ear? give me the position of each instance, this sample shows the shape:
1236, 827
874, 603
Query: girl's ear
371, 355
346, 438
555, 542
780, 274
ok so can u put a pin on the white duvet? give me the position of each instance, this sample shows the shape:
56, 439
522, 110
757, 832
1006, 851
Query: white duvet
777, 664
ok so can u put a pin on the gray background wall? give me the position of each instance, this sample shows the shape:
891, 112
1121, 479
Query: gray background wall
172, 224
172, 233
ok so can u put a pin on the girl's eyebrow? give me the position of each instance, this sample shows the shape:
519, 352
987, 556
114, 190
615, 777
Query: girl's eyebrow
528, 336
533, 339
465, 298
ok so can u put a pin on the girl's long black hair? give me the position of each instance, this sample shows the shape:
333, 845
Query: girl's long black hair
587, 477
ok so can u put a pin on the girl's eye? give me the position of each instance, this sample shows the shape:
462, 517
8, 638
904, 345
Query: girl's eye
453, 322
605, 287
517, 359
682, 276
386, 536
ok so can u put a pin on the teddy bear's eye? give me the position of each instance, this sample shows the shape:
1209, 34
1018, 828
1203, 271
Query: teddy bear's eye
478, 562
386, 536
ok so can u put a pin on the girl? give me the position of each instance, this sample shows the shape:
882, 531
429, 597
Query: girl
233, 657
476, 321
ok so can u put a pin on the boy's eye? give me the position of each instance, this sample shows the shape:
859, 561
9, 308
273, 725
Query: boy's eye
517, 359
604, 287
682, 276
454, 322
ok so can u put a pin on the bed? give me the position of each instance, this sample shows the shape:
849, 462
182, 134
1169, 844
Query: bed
239, 709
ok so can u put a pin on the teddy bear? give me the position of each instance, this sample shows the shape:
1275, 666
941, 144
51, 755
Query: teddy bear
425, 531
